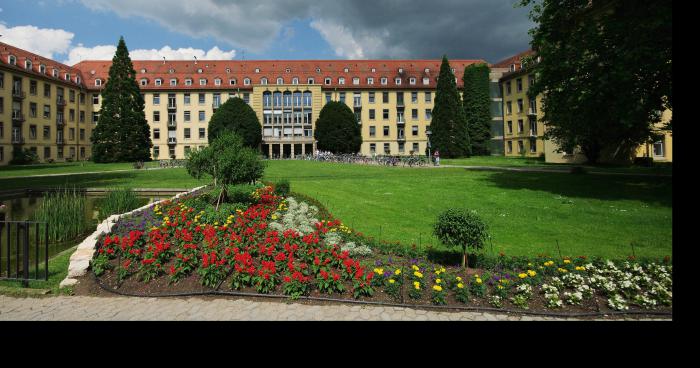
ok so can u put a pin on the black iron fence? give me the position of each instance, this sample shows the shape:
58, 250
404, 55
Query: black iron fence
24, 251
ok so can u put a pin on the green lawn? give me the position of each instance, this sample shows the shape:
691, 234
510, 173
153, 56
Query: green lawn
58, 270
524, 162
60, 168
527, 212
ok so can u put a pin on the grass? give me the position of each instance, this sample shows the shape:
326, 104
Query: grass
528, 213
58, 270
64, 211
60, 168
118, 200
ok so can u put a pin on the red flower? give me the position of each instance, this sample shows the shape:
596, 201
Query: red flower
127, 263
316, 261
324, 275
336, 277
172, 270
287, 279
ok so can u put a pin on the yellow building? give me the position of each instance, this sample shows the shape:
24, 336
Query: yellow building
44, 108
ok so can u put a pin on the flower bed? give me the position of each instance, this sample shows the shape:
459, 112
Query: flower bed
278, 245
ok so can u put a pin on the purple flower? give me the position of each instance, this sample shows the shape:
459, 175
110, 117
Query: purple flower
389, 260
387, 274
377, 263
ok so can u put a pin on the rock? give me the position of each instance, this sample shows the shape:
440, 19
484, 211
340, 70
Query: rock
67, 282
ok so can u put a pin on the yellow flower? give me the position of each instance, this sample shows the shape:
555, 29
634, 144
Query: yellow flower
460, 286
562, 270
500, 287
417, 274
567, 261
379, 271
529, 264
476, 276
166, 218
397, 272
391, 281
522, 275
478, 281
459, 279
416, 285
216, 223
415, 268
437, 281
580, 268
549, 263
274, 217
437, 288
531, 273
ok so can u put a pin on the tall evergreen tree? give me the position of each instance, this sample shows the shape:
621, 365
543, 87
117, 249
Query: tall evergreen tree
449, 126
122, 133
477, 107
237, 116
337, 129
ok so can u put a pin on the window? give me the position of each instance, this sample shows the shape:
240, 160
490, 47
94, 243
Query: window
372, 131
47, 152
510, 127
397, 81
173, 82
659, 149
95, 117
414, 97
47, 90
202, 81
2, 130
32, 108
371, 97
519, 84
82, 116
156, 98
412, 81
95, 98
328, 97
98, 82
188, 82
12, 60
47, 111
71, 115
372, 147
187, 150
144, 82
415, 147
188, 117
386, 130
342, 97
426, 81
295, 80
414, 114
187, 133
520, 105
47, 132
33, 87
2, 80
521, 147
428, 114
385, 97
71, 95
156, 151
402, 148
310, 81
530, 80
202, 133
187, 98
356, 81
246, 98
387, 150
217, 82
533, 106
384, 81
428, 97
520, 125
370, 81
32, 132
202, 98
156, 133
27, 64
159, 81
82, 134
71, 134
508, 88
246, 81
509, 147
232, 82
371, 114
341, 81
156, 116
263, 80
202, 116
327, 81
385, 114
533, 146
509, 108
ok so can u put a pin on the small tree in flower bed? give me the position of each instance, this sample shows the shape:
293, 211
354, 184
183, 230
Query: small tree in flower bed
461, 228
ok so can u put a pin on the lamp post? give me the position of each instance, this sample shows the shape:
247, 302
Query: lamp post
428, 133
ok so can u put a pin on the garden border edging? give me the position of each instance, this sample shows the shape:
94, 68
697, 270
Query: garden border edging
80, 259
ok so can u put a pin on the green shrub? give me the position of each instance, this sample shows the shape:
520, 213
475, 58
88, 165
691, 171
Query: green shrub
64, 211
23, 157
241, 193
211, 215
118, 201
282, 187
461, 228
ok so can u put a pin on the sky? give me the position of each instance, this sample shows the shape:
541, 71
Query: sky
73, 30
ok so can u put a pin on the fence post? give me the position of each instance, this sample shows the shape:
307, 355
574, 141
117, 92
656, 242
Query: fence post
36, 250
25, 256
46, 252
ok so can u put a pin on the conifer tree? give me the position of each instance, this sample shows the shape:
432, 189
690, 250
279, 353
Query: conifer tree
477, 107
122, 133
449, 126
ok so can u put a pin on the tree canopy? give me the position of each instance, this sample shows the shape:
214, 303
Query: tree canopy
337, 129
122, 132
237, 116
449, 126
604, 72
477, 107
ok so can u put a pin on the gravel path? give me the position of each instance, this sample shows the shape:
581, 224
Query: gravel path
73, 308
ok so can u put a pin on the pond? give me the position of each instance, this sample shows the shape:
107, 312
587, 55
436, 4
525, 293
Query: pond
22, 208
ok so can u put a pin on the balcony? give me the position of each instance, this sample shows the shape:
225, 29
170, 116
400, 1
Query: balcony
532, 112
19, 95
400, 104
357, 104
60, 121
172, 106
60, 141
60, 101
17, 139
17, 116
172, 124
533, 134
216, 105
172, 140
400, 121
401, 138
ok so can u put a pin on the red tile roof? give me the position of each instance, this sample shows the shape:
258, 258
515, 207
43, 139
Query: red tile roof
273, 69
515, 59
22, 56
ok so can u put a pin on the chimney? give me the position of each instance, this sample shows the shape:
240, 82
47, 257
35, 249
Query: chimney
195, 60
163, 59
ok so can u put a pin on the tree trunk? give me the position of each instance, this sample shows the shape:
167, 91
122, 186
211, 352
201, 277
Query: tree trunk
464, 260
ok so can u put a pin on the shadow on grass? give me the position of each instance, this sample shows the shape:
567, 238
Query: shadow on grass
79, 181
652, 190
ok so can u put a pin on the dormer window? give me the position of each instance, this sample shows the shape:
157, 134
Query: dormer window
246, 81
370, 80
427, 70
356, 81
397, 81
512, 67
143, 71
318, 70
400, 70
54, 73
217, 82
232, 82
66, 76
188, 82
412, 81
12, 60
453, 70
426, 81
77, 79
202, 82
310, 81
171, 70
280, 81
42, 69
384, 81
98, 82
295, 80
287, 70
374, 70
199, 70
173, 82
144, 82
341, 81
327, 81
159, 82
257, 70
346, 70
228, 70
28, 64
263, 81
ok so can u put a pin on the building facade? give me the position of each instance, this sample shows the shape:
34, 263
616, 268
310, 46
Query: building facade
44, 108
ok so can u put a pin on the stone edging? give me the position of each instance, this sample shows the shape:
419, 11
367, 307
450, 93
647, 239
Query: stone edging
80, 259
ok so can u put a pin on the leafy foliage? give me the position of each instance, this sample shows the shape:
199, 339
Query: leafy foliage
122, 133
337, 129
605, 72
477, 107
23, 156
237, 116
461, 228
449, 126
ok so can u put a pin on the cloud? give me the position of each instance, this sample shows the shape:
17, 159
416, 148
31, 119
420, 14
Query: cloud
488, 29
43, 41
106, 52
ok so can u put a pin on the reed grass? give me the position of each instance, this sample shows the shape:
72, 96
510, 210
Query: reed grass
118, 200
64, 211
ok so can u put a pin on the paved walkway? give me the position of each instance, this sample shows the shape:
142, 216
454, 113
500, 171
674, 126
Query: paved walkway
130, 309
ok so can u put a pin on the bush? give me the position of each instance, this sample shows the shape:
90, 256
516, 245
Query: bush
23, 157
282, 187
211, 215
337, 129
241, 193
644, 161
235, 115
461, 228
